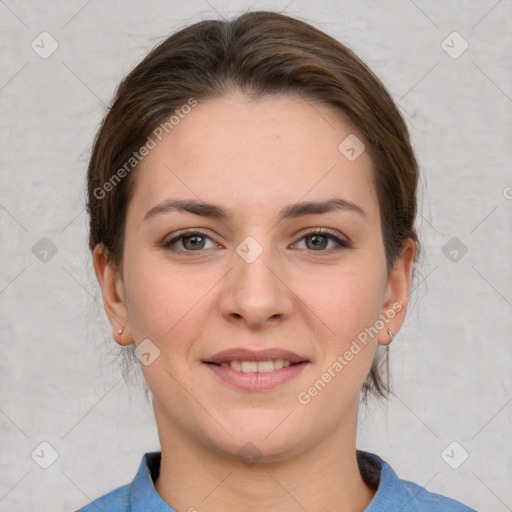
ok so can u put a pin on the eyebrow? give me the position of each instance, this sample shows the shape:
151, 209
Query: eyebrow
214, 211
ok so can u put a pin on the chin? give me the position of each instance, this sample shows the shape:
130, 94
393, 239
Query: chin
251, 450
265, 437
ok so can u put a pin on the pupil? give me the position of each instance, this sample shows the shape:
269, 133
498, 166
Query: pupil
316, 237
194, 240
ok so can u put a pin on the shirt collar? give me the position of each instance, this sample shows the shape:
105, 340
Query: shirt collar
143, 495
390, 492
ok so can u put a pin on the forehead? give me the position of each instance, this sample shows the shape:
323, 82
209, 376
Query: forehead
250, 153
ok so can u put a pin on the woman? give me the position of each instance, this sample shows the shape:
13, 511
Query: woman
252, 201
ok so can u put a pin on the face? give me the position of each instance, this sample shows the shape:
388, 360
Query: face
255, 274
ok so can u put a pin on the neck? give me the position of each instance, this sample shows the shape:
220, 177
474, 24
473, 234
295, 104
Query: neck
323, 477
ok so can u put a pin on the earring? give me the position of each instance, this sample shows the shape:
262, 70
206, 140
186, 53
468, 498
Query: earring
390, 334
120, 331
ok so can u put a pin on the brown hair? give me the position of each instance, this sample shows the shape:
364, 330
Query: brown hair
260, 53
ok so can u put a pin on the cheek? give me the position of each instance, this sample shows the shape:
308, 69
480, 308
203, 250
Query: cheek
146, 302
348, 303
346, 300
164, 302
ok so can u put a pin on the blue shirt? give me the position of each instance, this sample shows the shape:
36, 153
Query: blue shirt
392, 494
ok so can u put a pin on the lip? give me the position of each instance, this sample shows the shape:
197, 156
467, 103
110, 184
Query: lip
243, 354
255, 381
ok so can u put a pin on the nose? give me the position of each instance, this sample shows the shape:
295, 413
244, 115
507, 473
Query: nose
256, 292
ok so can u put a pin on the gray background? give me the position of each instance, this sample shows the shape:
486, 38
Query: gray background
60, 376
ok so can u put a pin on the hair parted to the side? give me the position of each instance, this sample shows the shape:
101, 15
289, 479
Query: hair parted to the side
260, 53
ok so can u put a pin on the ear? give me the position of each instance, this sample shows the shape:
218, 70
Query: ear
114, 301
397, 293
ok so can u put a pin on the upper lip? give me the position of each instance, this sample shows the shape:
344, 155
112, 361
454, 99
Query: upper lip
243, 354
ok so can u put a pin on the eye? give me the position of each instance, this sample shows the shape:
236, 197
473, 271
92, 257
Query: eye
190, 241
195, 241
320, 238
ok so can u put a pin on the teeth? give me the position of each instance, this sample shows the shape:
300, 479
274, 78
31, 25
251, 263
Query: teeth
256, 366
249, 366
264, 366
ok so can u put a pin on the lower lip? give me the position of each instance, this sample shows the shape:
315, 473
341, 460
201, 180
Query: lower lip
255, 381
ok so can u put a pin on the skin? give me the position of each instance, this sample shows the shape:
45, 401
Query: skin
254, 156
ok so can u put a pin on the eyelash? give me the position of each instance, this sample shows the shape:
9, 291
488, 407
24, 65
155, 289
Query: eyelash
331, 235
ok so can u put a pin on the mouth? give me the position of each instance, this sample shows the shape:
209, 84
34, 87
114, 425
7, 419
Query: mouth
251, 370
267, 366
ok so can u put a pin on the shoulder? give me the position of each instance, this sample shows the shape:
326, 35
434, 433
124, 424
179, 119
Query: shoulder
396, 494
115, 501
138, 496
425, 501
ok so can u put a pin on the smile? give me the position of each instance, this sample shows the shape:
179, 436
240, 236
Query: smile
256, 375
255, 370
256, 366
